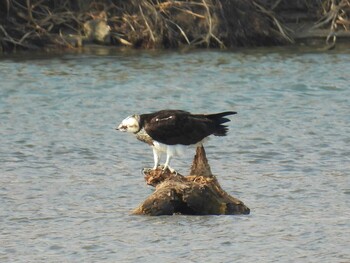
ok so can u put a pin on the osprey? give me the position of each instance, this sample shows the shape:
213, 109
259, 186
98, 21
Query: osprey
170, 131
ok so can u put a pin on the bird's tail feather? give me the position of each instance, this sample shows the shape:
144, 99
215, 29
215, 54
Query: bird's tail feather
218, 117
221, 131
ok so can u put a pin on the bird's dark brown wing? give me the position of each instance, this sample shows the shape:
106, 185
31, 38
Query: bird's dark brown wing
179, 127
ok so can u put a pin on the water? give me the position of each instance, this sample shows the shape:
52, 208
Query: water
69, 180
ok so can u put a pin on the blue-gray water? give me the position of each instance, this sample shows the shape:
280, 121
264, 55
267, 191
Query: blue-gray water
69, 180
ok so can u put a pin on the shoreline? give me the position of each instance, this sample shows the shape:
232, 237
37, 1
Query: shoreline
223, 24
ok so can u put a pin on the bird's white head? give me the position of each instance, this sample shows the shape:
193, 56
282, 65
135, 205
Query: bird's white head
130, 124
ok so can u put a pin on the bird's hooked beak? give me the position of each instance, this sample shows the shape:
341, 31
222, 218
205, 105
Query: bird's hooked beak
121, 128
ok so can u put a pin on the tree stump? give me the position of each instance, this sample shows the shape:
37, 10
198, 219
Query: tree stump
196, 194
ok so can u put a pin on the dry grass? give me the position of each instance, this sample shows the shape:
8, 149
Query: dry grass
34, 24
333, 15
336, 15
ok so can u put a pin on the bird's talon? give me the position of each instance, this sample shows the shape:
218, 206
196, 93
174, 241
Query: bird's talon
171, 170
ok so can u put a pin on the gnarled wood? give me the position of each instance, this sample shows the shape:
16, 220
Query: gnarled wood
196, 194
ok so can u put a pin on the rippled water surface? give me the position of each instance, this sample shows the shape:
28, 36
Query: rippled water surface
69, 180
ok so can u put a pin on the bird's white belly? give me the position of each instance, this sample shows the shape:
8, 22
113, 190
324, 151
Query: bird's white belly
173, 150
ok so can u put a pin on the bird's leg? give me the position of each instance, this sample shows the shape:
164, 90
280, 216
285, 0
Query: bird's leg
156, 158
167, 162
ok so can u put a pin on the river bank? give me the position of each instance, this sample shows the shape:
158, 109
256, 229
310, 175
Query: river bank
62, 24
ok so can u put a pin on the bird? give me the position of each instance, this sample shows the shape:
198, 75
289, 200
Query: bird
172, 131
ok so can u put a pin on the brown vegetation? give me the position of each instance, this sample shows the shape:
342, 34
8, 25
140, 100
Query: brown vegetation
34, 24
310, 19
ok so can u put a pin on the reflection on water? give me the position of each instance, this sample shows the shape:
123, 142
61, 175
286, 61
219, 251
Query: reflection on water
69, 180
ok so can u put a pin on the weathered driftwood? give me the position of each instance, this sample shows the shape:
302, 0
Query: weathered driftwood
197, 194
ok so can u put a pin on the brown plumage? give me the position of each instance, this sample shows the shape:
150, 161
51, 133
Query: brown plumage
181, 127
